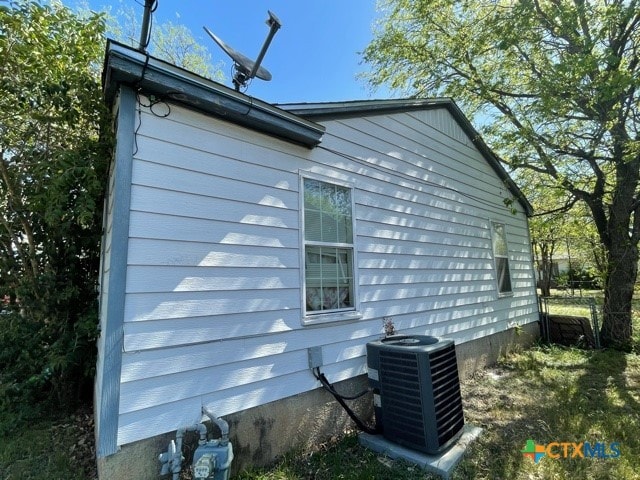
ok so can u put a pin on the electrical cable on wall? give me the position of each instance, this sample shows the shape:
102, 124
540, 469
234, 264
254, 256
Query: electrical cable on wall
341, 400
153, 101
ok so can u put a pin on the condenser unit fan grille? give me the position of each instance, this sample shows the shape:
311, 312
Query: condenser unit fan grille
400, 382
447, 399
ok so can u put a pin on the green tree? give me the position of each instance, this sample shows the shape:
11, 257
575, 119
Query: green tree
548, 226
53, 164
560, 226
556, 82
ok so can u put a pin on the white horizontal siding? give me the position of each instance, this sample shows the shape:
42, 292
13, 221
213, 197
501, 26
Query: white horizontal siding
159, 306
213, 311
248, 251
208, 279
197, 382
180, 204
166, 417
216, 186
237, 347
165, 227
195, 330
161, 416
462, 178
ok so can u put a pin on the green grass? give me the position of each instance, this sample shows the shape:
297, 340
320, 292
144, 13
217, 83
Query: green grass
48, 449
344, 459
560, 303
552, 394
31, 453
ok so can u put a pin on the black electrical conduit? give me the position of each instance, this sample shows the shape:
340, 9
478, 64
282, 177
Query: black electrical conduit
341, 400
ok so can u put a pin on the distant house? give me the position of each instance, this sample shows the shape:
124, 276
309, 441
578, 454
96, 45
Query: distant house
239, 234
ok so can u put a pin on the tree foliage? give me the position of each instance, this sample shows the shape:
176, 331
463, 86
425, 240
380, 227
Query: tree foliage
556, 83
559, 228
52, 171
169, 41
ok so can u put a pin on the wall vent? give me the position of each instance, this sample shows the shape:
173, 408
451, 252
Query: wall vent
416, 389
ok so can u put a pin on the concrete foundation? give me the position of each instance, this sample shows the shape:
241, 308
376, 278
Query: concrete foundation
261, 434
137, 460
483, 352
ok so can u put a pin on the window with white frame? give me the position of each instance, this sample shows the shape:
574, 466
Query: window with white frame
328, 247
501, 257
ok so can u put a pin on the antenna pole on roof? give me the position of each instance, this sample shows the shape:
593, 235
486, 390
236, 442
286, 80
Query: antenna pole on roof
274, 25
145, 36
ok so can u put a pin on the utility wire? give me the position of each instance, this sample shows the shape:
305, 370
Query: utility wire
404, 176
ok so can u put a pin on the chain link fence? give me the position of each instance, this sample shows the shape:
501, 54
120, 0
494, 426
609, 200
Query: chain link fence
572, 320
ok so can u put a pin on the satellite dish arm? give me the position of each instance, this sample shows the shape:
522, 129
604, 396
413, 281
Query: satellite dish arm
275, 24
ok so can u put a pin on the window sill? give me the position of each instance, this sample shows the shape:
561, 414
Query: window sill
322, 318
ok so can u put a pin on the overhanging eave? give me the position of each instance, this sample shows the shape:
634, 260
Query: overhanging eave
151, 76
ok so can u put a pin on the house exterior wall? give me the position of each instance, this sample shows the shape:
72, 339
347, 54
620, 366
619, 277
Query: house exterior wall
212, 302
112, 278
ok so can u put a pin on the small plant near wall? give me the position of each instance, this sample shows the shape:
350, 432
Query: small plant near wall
389, 327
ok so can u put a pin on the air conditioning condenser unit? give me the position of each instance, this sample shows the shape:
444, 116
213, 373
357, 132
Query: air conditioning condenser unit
416, 389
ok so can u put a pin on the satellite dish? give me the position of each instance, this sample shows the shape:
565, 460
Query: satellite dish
242, 63
245, 68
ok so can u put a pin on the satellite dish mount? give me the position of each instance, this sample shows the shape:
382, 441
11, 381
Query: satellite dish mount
244, 68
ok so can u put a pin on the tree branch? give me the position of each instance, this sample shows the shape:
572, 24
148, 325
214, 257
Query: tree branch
14, 199
564, 209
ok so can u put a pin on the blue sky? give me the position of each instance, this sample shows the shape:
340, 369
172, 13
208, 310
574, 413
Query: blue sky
314, 57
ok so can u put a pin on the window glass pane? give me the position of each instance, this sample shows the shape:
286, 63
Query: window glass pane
327, 211
344, 220
504, 278
312, 193
344, 229
501, 257
312, 224
329, 227
499, 240
329, 278
312, 210
328, 220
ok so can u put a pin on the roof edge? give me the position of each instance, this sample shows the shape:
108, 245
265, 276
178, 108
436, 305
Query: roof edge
125, 65
362, 107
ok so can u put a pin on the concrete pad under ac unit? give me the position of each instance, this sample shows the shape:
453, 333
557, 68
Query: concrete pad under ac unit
441, 464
